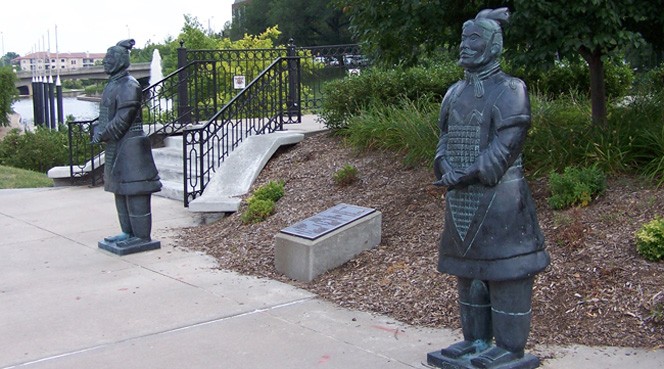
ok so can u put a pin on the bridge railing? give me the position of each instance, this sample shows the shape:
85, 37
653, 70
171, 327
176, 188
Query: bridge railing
263, 106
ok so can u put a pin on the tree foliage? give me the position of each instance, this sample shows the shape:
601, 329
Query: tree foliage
406, 31
308, 22
8, 94
593, 29
7, 58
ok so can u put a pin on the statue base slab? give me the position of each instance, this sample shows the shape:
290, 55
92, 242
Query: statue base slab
436, 360
131, 249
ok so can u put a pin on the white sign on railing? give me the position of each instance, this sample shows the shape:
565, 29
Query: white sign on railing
239, 82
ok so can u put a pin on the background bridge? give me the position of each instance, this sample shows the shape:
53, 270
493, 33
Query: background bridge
140, 71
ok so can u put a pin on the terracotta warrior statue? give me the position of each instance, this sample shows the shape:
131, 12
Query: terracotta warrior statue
492, 241
129, 170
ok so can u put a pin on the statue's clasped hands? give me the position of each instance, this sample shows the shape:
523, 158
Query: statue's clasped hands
96, 138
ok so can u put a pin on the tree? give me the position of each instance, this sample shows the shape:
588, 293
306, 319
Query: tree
594, 29
405, 31
314, 23
8, 94
7, 58
309, 22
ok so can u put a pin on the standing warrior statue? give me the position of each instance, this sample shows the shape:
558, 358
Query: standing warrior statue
492, 241
129, 171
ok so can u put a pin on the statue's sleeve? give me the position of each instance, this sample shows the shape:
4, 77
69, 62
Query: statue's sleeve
128, 104
440, 164
511, 119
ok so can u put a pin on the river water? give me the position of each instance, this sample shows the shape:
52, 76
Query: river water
81, 110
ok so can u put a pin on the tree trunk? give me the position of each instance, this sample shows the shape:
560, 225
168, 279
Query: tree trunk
597, 85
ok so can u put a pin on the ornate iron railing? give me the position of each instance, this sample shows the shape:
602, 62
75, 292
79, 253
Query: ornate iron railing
186, 96
81, 151
263, 106
319, 65
204, 83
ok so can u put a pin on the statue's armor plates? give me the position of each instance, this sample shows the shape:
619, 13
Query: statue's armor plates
491, 229
463, 147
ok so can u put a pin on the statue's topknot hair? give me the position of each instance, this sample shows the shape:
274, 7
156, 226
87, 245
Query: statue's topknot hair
127, 44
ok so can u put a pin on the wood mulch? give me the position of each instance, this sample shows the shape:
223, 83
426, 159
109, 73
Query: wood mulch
597, 290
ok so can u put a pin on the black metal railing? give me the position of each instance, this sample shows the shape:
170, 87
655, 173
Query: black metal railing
266, 103
319, 64
186, 96
81, 151
205, 82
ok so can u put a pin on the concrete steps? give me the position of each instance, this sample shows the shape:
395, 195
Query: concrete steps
168, 160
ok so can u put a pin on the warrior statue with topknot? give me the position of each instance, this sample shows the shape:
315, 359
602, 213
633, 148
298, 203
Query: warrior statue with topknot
491, 241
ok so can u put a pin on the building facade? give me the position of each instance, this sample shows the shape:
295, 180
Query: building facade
43, 61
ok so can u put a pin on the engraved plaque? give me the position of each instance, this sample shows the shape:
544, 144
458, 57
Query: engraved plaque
327, 221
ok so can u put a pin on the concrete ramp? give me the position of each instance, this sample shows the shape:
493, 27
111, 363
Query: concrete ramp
237, 173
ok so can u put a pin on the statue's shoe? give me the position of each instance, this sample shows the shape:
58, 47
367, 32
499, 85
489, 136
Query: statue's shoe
117, 238
462, 348
132, 241
495, 357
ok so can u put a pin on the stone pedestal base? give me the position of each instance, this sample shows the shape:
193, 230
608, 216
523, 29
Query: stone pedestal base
140, 247
436, 360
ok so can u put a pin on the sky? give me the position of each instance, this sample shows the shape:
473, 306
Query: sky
95, 25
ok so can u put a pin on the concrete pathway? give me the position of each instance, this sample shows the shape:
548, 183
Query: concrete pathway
64, 303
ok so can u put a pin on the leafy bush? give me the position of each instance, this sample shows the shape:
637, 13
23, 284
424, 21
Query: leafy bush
272, 190
257, 211
576, 186
345, 176
650, 240
262, 202
350, 96
573, 75
38, 151
648, 147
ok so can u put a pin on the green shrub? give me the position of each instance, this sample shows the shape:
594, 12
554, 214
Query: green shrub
345, 176
38, 151
557, 134
272, 190
409, 128
257, 211
573, 75
646, 116
576, 186
562, 134
262, 202
650, 240
350, 96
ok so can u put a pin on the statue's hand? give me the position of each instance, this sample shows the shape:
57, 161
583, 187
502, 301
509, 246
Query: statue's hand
96, 138
449, 179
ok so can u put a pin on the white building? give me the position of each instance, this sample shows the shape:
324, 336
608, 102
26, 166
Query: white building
43, 61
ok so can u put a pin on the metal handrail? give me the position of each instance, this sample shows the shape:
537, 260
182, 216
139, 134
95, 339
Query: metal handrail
263, 106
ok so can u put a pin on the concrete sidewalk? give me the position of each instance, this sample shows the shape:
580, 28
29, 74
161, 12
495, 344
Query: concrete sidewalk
64, 303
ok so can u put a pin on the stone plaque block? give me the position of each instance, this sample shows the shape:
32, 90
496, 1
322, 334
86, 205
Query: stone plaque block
304, 258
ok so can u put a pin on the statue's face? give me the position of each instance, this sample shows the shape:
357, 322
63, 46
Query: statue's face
113, 62
475, 51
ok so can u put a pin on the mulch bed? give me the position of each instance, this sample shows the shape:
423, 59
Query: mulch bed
597, 290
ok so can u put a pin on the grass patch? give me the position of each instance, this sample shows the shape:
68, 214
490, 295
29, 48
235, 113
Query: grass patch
20, 178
